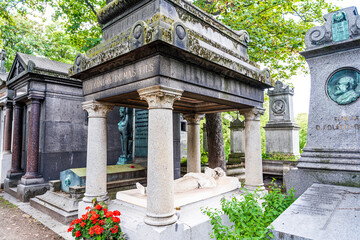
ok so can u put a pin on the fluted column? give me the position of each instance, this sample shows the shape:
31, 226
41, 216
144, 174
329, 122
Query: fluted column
32, 160
96, 160
8, 127
193, 142
253, 160
17, 138
160, 174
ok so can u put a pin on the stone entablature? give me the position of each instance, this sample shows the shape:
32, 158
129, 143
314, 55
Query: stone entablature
174, 22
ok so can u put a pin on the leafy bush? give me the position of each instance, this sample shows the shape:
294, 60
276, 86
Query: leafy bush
249, 218
280, 156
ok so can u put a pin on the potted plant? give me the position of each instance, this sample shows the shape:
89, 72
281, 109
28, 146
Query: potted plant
97, 224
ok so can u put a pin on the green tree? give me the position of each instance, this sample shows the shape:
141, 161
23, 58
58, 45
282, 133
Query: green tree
276, 28
302, 121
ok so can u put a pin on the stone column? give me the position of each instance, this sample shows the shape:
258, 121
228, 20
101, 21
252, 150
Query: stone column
160, 174
96, 160
8, 128
32, 183
253, 160
32, 161
17, 139
193, 142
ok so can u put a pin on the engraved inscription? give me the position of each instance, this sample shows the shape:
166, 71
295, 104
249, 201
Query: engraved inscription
342, 123
117, 77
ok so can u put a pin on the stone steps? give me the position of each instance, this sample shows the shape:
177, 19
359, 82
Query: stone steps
12, 191
43, 204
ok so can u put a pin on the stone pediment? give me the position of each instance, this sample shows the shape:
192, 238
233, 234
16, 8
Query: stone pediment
174, 27
18, 68
25, 63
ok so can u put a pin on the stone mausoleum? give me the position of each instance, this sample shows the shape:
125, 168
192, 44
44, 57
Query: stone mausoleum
167, 56
45, 130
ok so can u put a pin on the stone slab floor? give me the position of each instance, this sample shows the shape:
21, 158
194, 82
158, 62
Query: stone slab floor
21, 221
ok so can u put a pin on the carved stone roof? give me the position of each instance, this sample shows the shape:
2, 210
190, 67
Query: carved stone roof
24, 63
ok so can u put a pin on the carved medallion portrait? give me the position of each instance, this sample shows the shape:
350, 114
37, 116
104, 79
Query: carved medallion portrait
278, 106
344, 86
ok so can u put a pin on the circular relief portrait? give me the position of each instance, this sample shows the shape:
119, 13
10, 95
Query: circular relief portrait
344, 86
278, 106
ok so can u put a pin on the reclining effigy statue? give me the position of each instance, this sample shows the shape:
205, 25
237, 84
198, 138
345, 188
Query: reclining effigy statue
192, 180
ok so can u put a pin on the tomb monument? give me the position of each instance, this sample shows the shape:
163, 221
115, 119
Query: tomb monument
332, 151
167, 56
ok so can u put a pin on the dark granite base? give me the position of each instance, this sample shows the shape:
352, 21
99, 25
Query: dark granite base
25, 192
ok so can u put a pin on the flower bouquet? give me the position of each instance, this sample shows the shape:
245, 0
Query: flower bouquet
97, 224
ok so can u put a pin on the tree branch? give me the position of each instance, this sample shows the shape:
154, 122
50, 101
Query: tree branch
90, 6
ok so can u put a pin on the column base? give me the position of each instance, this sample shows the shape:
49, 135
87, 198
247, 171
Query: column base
257, 188
29, 188
87, 201
160, 220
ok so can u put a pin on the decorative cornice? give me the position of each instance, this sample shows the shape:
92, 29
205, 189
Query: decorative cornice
160, 96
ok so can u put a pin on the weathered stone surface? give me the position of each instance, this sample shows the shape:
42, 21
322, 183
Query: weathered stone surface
322, 212
333, 128
282, 132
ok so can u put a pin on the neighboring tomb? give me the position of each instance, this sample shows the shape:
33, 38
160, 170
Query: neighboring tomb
332, 152
5, 106
49, 127
237, 141
282, 132
322, 212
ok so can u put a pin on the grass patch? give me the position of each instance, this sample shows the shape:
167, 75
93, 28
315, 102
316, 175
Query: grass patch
6, 204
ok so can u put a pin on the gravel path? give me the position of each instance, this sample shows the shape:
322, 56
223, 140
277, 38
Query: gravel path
17, 225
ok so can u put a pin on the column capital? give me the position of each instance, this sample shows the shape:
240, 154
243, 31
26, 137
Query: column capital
252, 114
193, 118
160, 96
97, 109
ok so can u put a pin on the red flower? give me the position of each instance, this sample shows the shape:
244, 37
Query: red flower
82, 224
94, 222
116, 226
98, 207
117, 213
91, 231
87, 208
98, 230
115, 219
70, 229
73, 222
79, 220
132, 166
85, 216
78, 234
101, 222
93, 217
109, 214
105, 210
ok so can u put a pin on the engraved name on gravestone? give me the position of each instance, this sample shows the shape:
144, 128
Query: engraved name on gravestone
324, 211
141, 133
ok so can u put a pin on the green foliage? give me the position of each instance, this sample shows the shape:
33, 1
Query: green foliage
276, 28
280, 156
31, 37
249, 218
302, 120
